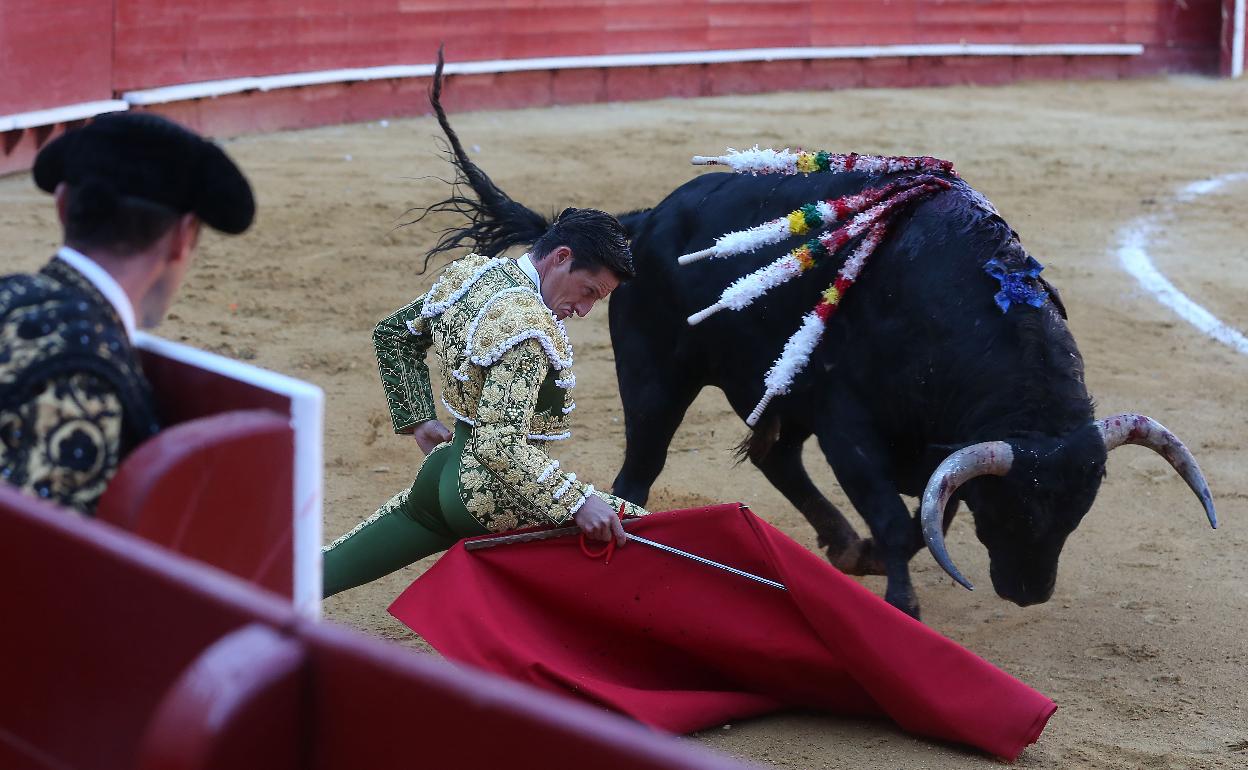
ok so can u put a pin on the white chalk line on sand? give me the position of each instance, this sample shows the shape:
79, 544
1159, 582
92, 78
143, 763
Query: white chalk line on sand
1133, 243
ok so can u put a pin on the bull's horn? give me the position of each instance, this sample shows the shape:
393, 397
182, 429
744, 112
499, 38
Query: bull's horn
1145, 431
991, 458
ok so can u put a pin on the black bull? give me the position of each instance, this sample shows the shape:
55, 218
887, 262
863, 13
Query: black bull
921, 386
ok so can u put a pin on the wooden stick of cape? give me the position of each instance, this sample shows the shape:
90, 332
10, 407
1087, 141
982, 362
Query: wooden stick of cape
527, 537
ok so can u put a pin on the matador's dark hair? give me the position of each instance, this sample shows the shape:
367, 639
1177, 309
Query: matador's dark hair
596, 238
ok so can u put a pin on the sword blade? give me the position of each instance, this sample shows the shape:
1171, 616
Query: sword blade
708, 562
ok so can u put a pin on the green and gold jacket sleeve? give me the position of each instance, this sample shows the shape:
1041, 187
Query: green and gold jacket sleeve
631, 510
401, 340
500, 440
64, 444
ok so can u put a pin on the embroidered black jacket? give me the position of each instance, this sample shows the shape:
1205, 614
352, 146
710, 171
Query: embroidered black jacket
73, 398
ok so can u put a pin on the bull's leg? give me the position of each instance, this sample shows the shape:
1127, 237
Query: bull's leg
653, 410
861, 466
783, 467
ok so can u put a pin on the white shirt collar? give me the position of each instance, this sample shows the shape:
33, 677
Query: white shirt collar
104, 283
526, 264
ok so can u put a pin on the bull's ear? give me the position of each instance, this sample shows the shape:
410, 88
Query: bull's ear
1057, 298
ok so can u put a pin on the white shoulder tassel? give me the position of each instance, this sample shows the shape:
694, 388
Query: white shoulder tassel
432, 309
567, 484
589, 491
554, 466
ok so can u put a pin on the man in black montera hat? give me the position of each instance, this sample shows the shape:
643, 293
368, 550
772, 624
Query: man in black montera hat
131, 191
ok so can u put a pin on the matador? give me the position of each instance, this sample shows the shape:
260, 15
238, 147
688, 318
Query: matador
497, 326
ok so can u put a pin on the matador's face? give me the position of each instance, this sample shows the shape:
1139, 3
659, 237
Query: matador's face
569, 292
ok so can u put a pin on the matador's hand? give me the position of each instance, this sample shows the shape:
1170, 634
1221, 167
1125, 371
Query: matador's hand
429, 434
599, 522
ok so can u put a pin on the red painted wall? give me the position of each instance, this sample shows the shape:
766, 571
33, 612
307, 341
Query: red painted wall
84, 50
161, 43
54, 53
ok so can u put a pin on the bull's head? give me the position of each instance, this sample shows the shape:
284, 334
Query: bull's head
1042, 489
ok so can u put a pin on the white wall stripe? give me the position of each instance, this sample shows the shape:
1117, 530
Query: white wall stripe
63, 114
1133, 243
213, 88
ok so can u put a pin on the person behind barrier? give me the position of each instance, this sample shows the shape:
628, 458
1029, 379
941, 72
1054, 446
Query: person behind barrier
131, 191
497, 326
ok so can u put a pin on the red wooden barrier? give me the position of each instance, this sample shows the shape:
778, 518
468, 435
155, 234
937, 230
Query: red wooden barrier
218, 489
373, 708
118, 654
235, 478
97, 625
238, 705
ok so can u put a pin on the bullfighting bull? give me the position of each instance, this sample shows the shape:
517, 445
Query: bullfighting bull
928, 380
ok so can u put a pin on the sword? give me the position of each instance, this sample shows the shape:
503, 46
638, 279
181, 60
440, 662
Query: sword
707, 562
549, 534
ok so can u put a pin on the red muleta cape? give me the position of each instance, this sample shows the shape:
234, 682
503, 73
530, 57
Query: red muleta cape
682, 646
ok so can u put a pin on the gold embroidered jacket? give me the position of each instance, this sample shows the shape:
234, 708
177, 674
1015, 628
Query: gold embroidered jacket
73, 400
507, 372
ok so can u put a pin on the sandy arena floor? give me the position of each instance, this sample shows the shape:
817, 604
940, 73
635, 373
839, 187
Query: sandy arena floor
1144, 643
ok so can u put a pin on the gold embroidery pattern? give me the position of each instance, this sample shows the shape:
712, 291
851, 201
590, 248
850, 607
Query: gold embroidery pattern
395, 503
65, 443
498, 344
73, 400
32, 333
469, 340
401, 340
503, 479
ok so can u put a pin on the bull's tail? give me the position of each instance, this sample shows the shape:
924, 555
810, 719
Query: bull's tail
495, 221
759, 441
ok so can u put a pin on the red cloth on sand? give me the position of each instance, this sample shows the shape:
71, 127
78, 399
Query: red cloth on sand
682, 646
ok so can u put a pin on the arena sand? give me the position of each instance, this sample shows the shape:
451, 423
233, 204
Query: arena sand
1143, 644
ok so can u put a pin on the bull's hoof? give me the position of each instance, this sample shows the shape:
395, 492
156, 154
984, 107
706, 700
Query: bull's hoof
857, 558
905, 601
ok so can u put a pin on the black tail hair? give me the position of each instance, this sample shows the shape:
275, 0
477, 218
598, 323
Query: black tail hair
759, 441
495, 221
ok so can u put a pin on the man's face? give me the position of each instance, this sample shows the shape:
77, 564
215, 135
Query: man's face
570, 292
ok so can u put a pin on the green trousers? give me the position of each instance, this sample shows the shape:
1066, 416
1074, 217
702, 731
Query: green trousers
415, 523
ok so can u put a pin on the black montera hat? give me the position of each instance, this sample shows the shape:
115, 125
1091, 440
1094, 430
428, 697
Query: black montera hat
146, 156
